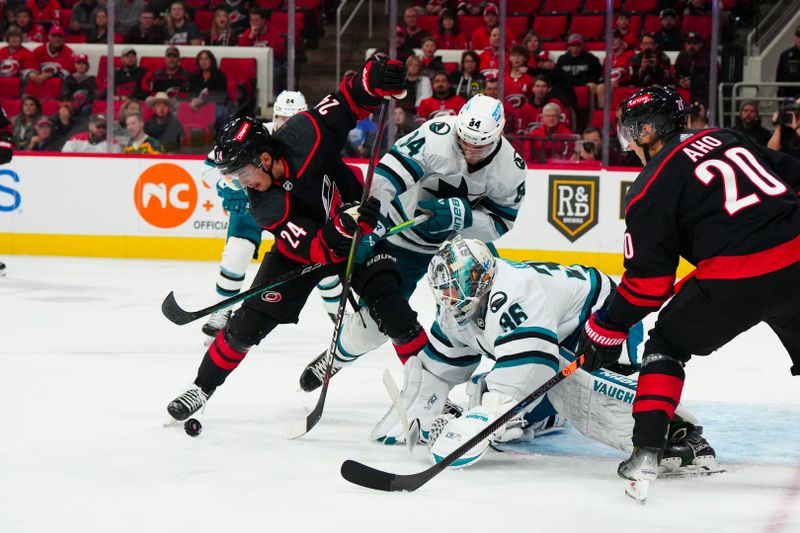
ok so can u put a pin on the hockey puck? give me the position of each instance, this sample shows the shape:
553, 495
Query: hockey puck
193, 427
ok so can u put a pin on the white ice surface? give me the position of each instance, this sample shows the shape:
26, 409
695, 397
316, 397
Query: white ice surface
88, 364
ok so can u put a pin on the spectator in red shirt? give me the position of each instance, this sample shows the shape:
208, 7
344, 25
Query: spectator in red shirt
260, 34
443, 102
221, 33
80, 87
431, 63
45, 12
31, 30
480, 37
173, 79
623, 23
53, 58
179, 29
620, 71
15, 59
449, 35
490, 57
533, 44
552, 140
518, 85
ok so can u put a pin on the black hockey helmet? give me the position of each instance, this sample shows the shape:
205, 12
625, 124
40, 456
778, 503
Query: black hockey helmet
241, 142
660, 107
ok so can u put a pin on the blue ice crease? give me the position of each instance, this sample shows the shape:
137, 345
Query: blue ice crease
740, 433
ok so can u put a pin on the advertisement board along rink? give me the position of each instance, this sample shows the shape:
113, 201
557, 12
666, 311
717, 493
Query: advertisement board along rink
167, 208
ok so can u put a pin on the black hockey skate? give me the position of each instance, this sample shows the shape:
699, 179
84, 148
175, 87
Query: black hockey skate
188, 403
311, 378
640, 469
688, 453
216, 322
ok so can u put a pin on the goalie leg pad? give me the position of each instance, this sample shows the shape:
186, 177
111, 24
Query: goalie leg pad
236, 256
452, 433
424, 395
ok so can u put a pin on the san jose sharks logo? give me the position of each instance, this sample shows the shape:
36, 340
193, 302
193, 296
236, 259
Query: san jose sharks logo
448, 190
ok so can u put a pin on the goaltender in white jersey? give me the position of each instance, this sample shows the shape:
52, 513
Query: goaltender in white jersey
527, 318
461, 171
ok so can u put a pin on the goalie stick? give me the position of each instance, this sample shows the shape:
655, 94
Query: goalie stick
176, 314
372, 478
313, 417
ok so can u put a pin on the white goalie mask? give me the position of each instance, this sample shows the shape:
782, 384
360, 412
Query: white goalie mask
460, 274
479, 126
289, 103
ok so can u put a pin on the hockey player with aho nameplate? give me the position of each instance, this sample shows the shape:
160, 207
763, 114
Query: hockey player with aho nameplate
244, 233
729, 207
527, 317
465, 175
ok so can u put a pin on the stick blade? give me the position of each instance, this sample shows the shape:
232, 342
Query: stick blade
174, 312
366, 476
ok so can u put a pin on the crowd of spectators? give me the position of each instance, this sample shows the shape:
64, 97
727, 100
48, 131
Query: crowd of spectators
539, 83
53, 76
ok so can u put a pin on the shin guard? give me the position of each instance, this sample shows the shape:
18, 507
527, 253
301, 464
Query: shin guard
657, 395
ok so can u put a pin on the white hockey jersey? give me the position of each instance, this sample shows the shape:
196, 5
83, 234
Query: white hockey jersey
428, 163
531, 310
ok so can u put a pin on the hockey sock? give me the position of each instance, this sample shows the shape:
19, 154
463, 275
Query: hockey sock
235, 257
411, 343
658, 393
221, 358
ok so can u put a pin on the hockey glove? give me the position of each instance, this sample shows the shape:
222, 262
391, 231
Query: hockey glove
368, 242
6, 152
447, 214
233, 200
384, 77
600, 342
339, 231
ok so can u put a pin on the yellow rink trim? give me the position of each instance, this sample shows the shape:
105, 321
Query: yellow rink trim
210, 249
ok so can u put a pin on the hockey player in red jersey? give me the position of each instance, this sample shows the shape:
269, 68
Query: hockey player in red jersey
6, 153
731, 209
301, 191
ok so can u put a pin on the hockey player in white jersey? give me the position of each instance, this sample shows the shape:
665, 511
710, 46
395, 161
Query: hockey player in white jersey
244, 234
461, 171
527, 317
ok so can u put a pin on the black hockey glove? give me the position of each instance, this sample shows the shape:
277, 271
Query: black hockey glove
6, 152
339, 231
600, 343
384, 77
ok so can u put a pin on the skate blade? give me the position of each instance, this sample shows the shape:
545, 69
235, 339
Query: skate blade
689, 471
637, 490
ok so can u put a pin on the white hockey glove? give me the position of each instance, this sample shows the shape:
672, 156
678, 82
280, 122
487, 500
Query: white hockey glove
448, 434
516, 428
424, 395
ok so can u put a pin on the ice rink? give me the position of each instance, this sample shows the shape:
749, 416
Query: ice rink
88, 365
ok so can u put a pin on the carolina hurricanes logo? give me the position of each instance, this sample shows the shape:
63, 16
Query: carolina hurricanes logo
330, 196
641, 99
243, 129
516, 100
271, 297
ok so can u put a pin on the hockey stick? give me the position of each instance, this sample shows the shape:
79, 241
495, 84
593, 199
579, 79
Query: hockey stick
176, 314
372, 478
313, 417
399, 406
